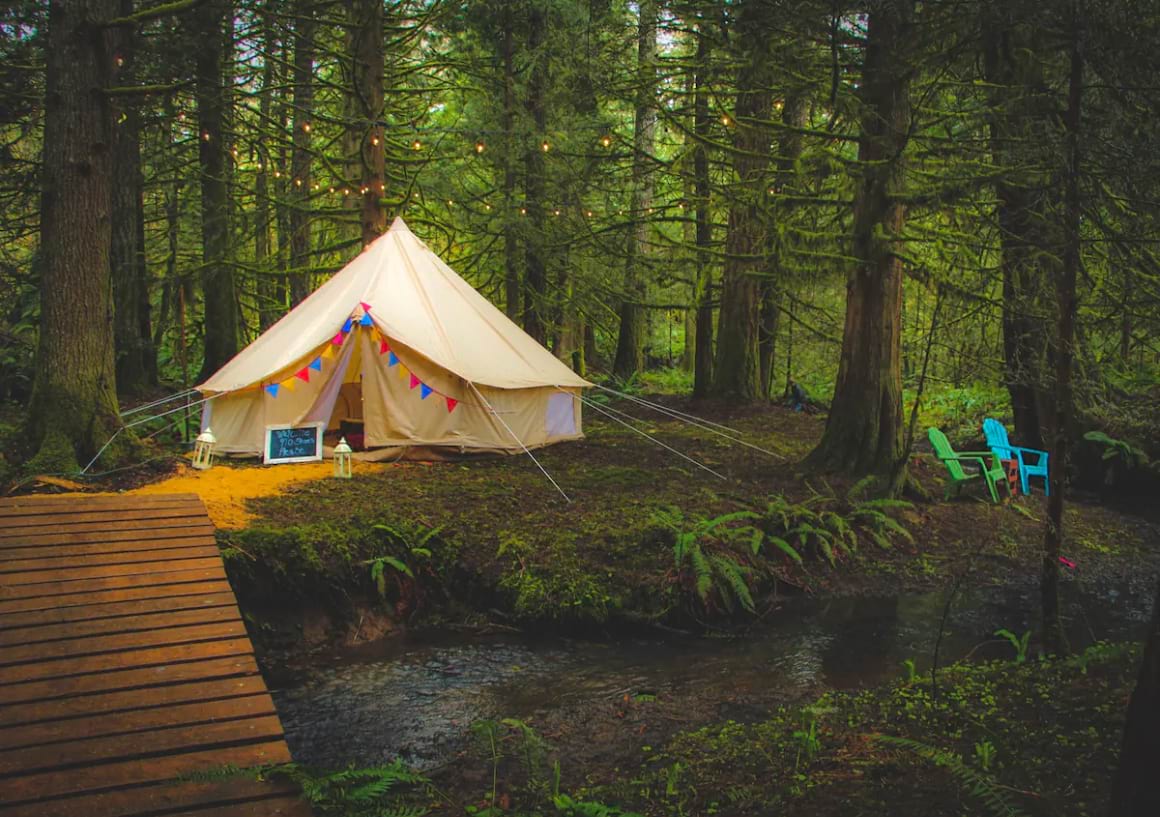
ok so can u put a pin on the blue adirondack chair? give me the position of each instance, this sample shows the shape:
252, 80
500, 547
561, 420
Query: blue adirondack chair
997, 441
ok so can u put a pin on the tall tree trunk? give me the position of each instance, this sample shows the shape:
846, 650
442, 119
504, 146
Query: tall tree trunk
136, 357
269, 309
736, 371
793, 117
366, 17
535, 295
630, 340
303, 105
1020, 115
73, 407
217, 276
1063, 350
703, 286
1134, 792
864, 430
512, 279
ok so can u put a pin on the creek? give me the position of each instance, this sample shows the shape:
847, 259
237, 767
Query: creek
415, 697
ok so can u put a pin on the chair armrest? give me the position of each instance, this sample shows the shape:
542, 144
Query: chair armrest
981, 462
1035, 451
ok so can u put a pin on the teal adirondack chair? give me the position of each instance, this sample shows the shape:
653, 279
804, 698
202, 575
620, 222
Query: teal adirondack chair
990, 469
996, 434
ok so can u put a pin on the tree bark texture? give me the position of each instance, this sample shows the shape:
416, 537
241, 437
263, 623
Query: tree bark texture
864, 430
630, 341
1063, 351
301, 180
73, 407
512, 272
136, 357
703, 284
535, 294
367, 68
736, 373
269, 307
1134, 792
217, 276
1021, 115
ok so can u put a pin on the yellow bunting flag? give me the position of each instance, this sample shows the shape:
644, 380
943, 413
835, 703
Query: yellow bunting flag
403, 371
328, 350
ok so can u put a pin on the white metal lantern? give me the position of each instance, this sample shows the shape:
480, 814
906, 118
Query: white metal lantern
203, 450
342, 454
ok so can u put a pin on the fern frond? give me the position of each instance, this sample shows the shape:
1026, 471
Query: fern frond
732, 576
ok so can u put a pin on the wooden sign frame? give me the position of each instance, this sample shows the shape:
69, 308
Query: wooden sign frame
319, 428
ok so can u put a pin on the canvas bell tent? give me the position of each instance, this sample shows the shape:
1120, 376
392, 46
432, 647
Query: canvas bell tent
402, 356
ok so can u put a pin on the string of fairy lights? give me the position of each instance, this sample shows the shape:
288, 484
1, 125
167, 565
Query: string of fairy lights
345, 190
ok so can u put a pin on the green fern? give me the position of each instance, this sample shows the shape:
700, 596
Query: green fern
976, 783
732, 584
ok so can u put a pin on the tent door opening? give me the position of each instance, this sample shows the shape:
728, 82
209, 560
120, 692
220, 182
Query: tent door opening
347, 419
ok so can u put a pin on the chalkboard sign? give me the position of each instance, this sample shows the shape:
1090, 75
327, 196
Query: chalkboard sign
286, 443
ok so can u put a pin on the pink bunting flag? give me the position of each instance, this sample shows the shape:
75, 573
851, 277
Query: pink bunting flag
451, 404
303, 374
414, 381
337, 339
384, 347
365, 306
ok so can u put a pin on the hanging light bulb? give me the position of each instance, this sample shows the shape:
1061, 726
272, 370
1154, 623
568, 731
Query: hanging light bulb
480, 147
487, 207
606, 140
119, 60
298, 182
544, 146
416, 145
205, 136
374, 140
725, 120
523, 211
306, 127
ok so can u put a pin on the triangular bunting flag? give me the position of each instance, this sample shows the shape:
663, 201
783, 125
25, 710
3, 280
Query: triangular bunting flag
346, 326
392, 360
366, 320
384, 347
273, 389
288, 385
365, 306
316, 364
403, 372
451, 404
337, 339
414, 381
425, 391
328, 351
303, 374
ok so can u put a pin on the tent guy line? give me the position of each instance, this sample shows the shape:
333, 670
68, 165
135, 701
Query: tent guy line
707, 425
527, 451
608, 412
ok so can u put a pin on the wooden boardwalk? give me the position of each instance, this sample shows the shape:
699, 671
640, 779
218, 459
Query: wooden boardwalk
125, 665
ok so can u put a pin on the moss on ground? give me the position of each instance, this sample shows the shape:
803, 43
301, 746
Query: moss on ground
508, 542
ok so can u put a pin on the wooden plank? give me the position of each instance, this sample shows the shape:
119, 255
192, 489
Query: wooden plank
194, 570
192, 527
116, 609
101, 517
83, 574
124, 688
118, 499
68, 564
134, 721
14, 510
103, 665
109, 776
120, 625
247, 796
189, 582
138, 544
16, 534
150, 743
42, 658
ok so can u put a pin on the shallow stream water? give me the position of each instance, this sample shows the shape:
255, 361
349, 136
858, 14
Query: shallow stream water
416, 698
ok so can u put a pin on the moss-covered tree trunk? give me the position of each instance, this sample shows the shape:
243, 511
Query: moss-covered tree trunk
512, 270
269, 308
302, 73
367, 63
136, 356
73, 407
217, 274
864, 430
1135, 792
630, 341
735, 373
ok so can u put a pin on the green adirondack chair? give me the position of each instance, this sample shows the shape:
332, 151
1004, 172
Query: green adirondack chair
990, 468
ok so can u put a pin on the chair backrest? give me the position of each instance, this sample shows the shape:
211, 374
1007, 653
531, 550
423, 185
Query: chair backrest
942, 450
996, 436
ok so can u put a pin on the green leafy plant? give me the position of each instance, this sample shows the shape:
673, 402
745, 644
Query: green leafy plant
911, 670
806, 739
413, 540
1020, 643
582, 808
985, 754
976, 783
391, 790
872, 516
708, 553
